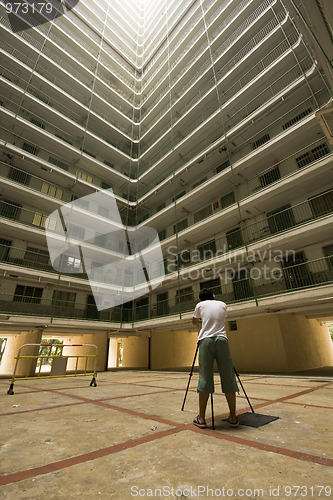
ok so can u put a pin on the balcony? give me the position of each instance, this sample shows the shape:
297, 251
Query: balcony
271, 175
291, 278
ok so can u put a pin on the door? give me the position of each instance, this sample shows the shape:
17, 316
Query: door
296, 272
242, 285
162, 304
4, 249
91, 309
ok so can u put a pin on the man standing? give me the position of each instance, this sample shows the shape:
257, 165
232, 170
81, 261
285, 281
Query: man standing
213, 344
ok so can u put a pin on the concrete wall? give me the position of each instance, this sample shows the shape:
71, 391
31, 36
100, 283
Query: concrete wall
25, 367
280, 344
277, 343
99, 339
172, 350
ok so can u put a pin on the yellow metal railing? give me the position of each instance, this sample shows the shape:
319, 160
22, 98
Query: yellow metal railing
58, 364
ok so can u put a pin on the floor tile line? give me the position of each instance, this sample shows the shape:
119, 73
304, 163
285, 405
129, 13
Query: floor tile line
30, 410
86, 457
268, 447
308, 405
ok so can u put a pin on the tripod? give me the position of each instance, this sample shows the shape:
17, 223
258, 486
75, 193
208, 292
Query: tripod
188, 385
211, 395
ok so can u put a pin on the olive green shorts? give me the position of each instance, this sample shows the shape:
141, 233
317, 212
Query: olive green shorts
211, 348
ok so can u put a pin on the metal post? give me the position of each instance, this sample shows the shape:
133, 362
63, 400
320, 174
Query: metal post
239, 380
211, 402
189, 380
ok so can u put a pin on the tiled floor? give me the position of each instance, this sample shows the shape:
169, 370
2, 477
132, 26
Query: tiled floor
128, 438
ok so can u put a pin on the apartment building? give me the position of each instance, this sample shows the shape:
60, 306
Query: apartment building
209, 121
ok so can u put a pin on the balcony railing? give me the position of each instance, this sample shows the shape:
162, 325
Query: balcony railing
81, 97
270, 175
235, 60
200, 50
233, 88
212, 110
289, 278
278, 222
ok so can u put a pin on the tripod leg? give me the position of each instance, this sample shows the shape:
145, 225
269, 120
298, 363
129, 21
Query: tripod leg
211, 402
239, 380
189, 380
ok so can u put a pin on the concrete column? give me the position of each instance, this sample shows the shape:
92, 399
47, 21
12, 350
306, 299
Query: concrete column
25, 367
99, 338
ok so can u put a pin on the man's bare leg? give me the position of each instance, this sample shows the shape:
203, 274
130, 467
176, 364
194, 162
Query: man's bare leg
231, 400
203, 398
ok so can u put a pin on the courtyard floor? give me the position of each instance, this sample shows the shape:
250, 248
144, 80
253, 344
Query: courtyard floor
128, 438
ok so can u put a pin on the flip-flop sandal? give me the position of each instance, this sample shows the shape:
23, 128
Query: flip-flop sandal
235, 424
197, 422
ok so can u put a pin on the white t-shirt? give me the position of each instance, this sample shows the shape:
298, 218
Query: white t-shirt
212, 314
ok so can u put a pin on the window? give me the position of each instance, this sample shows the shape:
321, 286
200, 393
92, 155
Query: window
84, 176
160, 207
184, 295
322, 204
9, 209
103, 211
51, 190
328, 251
228, 200
61, 298
28, 294
70, 264
39, 220
37, 123
296, 118
19, 176
184, 259
207, 250
105, 185
199, 182
179, 195
234, 238
76, 232
296, 272
30, 148
142, 308
162, 304
58, 163
80, 202
35, 255
280, 219
4, 249
223, 166
213, 285
242, 285
269, 177
312, 155
180, 226
88, 152
233, 326
100, 240
162, 234
109, 164
261, 141
63, 139
203, 213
